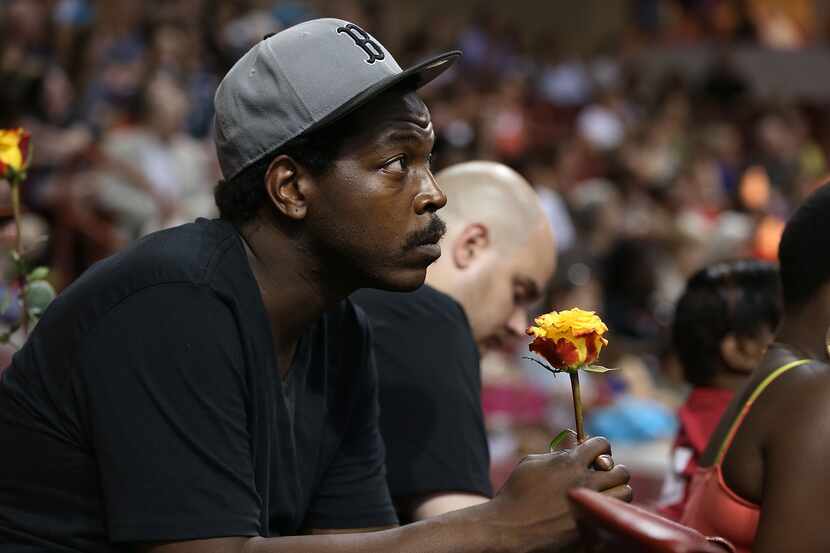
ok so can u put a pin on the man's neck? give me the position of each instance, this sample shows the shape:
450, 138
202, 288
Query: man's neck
445, 280
450, 287
294, 292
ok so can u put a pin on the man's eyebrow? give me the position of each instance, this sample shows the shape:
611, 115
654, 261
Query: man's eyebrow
399, 136
410, 134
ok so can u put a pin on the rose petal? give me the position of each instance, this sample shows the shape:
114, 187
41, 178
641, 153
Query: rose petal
25, 149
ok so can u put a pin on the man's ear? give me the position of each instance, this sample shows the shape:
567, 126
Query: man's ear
473, 240
287, 185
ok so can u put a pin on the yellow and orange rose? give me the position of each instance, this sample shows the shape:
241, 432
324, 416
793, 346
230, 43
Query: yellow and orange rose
14, 152
568, 339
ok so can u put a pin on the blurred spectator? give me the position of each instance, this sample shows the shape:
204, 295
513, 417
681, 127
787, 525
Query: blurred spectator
159, 175
629, 283
722, 326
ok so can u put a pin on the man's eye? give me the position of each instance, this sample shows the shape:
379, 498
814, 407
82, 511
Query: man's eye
397, 165
523, 296
518, 296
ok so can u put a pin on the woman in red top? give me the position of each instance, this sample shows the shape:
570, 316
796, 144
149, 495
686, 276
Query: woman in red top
722, 326
765, 483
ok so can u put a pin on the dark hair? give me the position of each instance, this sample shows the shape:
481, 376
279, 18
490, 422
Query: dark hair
735, 297
804, 251
240, 198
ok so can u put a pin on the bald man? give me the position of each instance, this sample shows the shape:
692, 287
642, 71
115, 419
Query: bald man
497, 255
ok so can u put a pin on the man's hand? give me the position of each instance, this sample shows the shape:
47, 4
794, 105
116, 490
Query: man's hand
529, 514
531, 510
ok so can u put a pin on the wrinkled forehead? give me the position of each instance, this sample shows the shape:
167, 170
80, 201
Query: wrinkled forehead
388, 113
396, 105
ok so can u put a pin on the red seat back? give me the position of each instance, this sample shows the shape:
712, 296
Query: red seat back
607, 524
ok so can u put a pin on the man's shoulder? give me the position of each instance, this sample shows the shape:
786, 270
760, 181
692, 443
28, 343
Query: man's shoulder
426, 304
414, 329
188, 254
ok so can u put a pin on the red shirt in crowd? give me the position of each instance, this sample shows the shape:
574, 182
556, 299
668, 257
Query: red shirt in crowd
698, 418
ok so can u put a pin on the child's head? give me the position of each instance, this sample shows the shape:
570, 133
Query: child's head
725, 319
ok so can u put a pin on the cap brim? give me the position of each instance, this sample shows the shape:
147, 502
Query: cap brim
419, 75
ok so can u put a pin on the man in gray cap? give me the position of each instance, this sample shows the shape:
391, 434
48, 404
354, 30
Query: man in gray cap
211, 389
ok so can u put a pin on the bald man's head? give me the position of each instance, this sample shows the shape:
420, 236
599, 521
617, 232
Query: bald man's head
498, 253
493, 194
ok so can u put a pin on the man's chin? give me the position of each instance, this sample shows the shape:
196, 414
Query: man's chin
407, 280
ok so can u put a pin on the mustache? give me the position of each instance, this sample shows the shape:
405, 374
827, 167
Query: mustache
431, 234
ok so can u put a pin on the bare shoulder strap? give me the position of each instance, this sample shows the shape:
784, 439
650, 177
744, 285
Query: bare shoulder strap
748, 405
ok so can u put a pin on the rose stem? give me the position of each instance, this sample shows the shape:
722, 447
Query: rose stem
18, 246
580, 430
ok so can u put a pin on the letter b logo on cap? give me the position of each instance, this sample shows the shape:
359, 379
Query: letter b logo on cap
363, 41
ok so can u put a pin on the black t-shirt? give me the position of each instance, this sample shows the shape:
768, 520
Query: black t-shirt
430, 393
147, 406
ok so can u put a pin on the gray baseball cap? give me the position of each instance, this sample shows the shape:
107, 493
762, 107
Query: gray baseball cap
301, 79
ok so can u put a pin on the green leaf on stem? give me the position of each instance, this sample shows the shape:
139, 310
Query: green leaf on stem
39, 294
19, 262
554, 443
40, 273
599, 369
6, 337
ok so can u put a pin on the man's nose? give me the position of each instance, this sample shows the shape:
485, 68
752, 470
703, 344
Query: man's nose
430, 198
517, 324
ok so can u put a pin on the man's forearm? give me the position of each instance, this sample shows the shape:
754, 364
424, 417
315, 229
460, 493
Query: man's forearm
457, 532
530, 513
439, 503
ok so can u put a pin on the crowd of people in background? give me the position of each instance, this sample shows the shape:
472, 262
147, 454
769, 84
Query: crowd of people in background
643, 185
